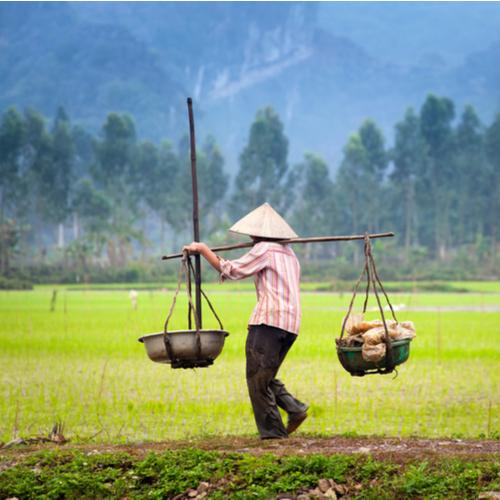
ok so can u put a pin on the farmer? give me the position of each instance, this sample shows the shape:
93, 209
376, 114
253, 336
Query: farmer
275, 321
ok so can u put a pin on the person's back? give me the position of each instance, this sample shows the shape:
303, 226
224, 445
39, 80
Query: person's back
276, 272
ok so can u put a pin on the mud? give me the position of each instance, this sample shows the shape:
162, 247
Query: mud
394, 449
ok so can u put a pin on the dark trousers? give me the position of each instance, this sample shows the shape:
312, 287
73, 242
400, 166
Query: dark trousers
266, 348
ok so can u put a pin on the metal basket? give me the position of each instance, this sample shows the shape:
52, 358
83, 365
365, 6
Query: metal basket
184, 348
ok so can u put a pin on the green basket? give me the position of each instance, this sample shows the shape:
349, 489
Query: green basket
352, 360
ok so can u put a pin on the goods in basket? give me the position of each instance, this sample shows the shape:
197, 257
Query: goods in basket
373, 352
370, 335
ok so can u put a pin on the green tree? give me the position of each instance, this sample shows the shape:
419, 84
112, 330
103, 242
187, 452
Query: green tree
160, 169
436, 118
360, 177
12, 139
181, 212
212, 185
176, 202
116, 173
59, 176
349, 185
376, 160
115, 154
51, 157
408, 155
94, 210
38, 160
470, 179
492, 194
359, 188
314, 208
85, 147
12, 182
350, 191
263, 166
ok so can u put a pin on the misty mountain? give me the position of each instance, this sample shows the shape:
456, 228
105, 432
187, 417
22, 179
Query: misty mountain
234, 58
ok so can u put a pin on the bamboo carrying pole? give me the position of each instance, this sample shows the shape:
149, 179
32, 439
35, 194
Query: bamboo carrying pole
196, 219
313, 239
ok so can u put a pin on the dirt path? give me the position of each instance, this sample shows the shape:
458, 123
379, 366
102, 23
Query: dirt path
395, 449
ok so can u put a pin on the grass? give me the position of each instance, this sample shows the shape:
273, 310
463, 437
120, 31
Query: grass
480, 287
235, 475
82, 364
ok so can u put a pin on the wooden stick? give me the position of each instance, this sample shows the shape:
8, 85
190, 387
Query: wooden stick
313, 239
196, 218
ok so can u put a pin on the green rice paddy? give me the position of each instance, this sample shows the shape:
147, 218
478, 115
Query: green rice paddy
81, 364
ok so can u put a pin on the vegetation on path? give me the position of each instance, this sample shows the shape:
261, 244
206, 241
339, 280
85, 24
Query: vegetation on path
196, 473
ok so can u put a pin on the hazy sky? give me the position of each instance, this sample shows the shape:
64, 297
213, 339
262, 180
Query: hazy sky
405, 31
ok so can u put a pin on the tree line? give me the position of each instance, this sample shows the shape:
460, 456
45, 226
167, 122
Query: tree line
79, 199
103, 189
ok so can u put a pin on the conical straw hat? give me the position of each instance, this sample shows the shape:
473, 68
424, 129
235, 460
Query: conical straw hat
264, 222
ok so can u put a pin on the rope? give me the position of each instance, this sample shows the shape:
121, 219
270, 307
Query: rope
190, 311
367, 273
382, 287
207, 299
166, 335
373, 279
182, 271
186, 269
389, 358
352, 301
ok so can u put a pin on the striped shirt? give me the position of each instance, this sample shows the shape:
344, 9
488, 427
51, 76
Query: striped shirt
276, 272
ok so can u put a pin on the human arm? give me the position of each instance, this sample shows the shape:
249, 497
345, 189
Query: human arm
249, 264
202, 249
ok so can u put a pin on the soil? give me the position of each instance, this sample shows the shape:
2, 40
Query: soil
399, 450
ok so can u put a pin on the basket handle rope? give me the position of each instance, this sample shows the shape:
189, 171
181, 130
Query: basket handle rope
185, 270
355, 291
375, 274
389, 355
182, 272
373, 279
191, 269
166, 333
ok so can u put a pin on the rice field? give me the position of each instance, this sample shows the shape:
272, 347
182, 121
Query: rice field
81, 364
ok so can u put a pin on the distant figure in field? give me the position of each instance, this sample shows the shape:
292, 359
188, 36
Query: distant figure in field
275, 321
133, 295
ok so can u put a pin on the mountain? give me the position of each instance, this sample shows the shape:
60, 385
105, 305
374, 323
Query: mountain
51, 57
324, 66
